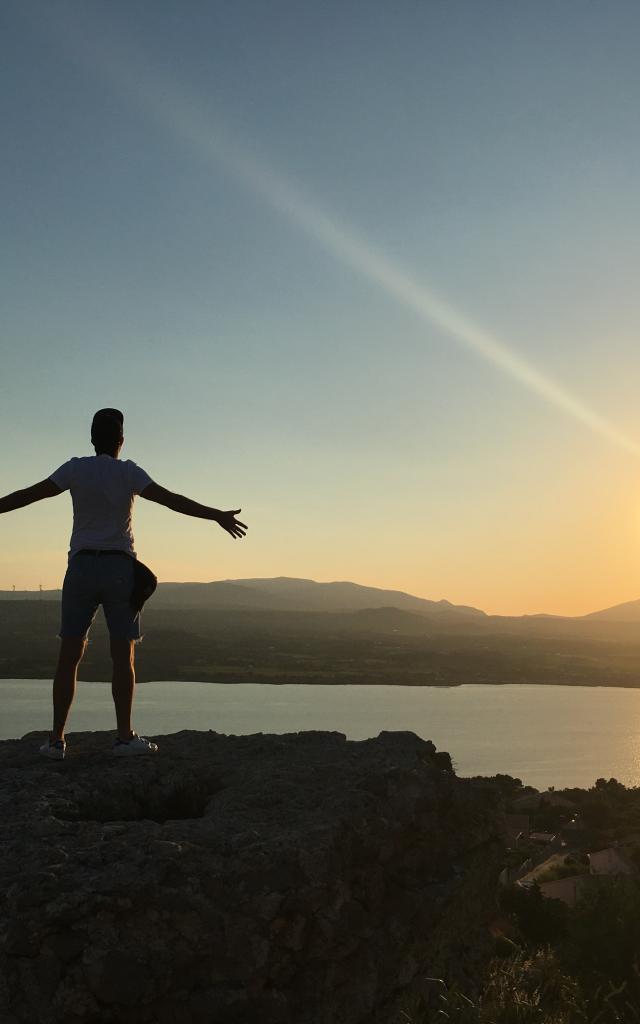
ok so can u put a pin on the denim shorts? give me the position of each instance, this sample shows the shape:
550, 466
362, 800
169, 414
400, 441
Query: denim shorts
92, 580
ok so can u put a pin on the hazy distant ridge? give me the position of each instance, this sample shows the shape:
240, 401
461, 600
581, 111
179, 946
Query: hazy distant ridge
284, 593
629, 611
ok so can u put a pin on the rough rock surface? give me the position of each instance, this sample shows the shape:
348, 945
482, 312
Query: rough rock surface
277, 879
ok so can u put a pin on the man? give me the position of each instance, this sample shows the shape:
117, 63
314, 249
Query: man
101, 569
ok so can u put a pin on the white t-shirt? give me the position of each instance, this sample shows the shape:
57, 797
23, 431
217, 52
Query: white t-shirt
102, 489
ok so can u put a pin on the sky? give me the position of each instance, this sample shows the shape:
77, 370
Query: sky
366, 271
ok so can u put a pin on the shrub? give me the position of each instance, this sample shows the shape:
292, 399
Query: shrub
602, 939
539, 921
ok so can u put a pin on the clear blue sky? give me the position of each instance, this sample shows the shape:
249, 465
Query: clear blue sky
487, 150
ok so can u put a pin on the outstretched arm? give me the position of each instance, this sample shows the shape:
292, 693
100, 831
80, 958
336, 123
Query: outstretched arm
45, 489
178, 503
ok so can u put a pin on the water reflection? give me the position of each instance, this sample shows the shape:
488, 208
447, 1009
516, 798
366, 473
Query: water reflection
545, 735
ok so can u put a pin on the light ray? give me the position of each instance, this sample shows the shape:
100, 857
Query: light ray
181, 116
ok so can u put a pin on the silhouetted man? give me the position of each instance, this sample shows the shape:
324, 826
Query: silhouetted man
101, 568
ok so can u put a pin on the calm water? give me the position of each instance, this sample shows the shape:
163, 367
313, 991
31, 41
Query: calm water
545, 735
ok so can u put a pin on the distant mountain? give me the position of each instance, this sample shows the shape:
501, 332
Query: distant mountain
284, 593
629, 611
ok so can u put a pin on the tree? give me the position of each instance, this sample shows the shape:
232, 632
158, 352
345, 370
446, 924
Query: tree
603, 931
539, 920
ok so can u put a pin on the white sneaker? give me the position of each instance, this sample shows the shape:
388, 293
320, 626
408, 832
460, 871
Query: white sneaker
55, 749
136, 745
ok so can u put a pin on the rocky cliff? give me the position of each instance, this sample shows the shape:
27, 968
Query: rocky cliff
274, 879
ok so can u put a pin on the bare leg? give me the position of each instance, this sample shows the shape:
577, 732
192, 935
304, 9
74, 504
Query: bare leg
123, 684
64, 681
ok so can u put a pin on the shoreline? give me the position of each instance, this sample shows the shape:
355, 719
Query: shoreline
336, 682
539, 734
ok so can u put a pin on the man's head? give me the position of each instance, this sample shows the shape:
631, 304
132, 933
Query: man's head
107, 435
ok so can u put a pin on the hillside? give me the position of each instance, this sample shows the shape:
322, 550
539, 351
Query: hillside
629, 611
299, 631
376, 645
283, 593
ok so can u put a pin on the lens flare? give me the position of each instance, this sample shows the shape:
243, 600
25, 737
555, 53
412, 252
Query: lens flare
180, 115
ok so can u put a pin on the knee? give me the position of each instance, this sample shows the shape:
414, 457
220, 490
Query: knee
71, 651
122, 652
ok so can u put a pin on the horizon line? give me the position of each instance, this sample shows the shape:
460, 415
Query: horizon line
307, 579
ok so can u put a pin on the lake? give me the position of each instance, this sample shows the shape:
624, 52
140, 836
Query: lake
544, 735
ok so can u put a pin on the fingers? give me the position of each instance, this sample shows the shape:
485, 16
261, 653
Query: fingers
234, 527
234, 531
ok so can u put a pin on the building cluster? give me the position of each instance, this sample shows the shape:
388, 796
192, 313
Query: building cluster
562, 862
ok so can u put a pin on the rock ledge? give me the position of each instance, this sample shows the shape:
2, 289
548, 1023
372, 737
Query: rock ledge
278, 879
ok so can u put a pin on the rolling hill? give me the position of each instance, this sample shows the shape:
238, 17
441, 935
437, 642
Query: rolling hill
284, 593
629, 611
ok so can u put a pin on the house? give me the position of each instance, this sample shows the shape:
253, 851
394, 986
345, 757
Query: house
614, 860
553, 863
544, 838
566, 889
514, 873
